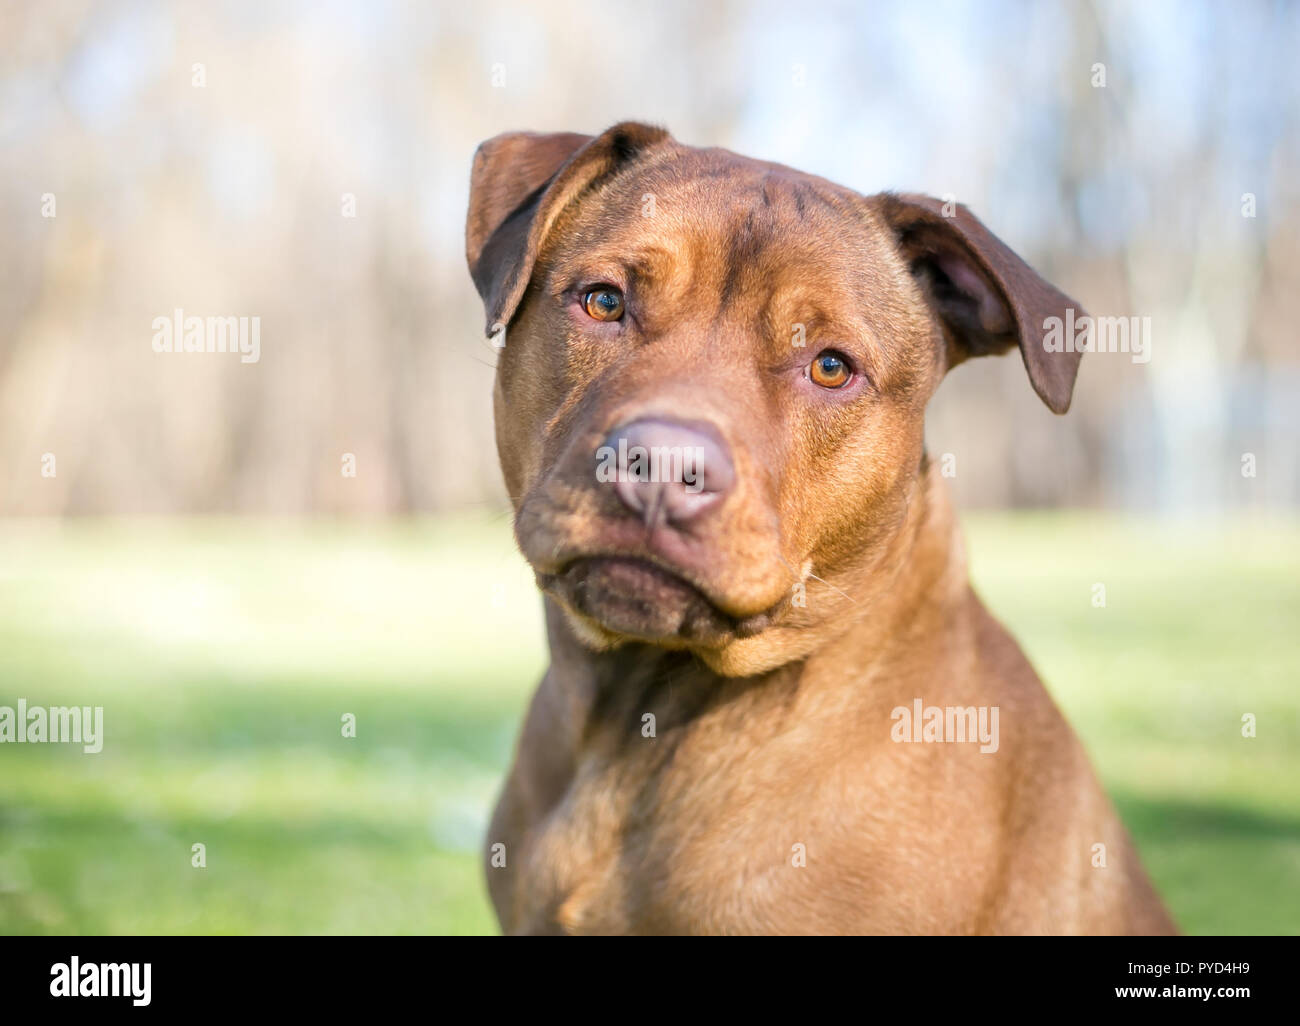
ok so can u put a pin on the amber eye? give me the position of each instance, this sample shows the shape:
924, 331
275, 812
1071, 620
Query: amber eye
829, 369
604, 303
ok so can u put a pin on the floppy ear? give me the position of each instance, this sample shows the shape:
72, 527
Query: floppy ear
520, 183
986, 298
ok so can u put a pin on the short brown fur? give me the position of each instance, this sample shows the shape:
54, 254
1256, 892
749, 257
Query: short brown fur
772, 716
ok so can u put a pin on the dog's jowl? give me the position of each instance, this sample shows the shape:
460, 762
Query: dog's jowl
710, 400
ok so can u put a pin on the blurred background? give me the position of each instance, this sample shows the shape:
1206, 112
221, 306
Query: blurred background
178, 542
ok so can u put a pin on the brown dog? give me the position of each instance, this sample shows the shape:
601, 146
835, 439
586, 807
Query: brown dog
745, 647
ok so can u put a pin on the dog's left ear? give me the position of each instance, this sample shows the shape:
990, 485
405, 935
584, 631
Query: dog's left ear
985, 297
520, 183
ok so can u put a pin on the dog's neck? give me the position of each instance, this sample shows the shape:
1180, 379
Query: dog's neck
912, 578
875, 608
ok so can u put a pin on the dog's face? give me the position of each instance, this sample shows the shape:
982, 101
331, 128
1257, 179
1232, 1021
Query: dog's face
713, 377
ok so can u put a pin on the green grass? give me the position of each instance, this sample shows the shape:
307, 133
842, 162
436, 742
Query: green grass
225, 652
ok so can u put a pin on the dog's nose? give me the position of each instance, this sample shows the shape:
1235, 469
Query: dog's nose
666, 469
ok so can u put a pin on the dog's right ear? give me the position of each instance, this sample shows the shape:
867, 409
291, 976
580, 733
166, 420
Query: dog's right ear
520, 183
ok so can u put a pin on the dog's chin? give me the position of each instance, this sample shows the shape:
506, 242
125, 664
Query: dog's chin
626, 599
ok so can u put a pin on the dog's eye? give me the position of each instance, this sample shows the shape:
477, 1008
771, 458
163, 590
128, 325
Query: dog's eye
830, 370
604, 303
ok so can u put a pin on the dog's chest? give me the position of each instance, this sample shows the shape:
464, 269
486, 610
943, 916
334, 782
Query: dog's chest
695, 828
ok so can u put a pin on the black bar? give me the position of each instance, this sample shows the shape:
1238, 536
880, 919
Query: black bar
606, 977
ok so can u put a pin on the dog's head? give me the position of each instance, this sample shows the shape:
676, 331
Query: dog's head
713, 373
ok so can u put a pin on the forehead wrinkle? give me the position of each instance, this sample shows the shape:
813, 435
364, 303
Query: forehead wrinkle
750, 241
726, 237
655, 263
784, 309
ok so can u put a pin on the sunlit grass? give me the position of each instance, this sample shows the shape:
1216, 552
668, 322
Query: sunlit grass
225, 653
